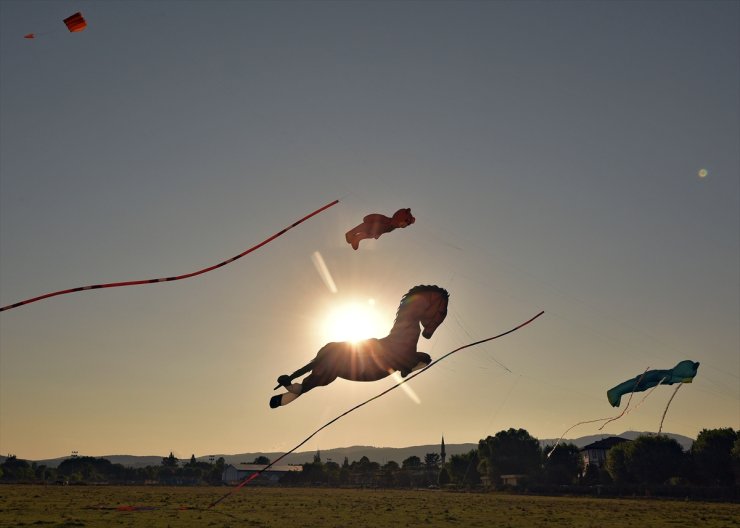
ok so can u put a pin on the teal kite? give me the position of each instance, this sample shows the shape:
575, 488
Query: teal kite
684, 372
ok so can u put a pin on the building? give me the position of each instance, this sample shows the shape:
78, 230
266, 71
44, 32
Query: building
512, 480
596, 453
235, 473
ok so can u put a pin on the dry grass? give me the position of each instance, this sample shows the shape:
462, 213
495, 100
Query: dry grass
92, 506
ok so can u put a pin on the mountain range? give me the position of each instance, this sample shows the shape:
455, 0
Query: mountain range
381, 455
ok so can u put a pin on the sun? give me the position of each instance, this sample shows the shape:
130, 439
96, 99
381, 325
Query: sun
354, 321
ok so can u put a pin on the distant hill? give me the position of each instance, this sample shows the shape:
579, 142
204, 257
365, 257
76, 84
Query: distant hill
381, 455
684, 441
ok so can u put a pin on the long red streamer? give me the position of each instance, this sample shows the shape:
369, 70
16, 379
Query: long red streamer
327, 424
168, 279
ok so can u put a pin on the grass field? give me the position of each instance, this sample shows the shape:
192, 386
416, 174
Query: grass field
104, 506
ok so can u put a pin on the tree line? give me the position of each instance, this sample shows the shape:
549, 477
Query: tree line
510, 458
513, 458
91, 470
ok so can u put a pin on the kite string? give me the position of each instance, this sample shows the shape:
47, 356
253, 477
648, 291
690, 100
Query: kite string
386, 391
459, 323
168, 279
608, 420
635, 407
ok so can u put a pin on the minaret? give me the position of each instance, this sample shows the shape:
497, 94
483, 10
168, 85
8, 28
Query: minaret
442, 451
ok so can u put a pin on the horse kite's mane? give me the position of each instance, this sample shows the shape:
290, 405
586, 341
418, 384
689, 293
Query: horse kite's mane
422, 288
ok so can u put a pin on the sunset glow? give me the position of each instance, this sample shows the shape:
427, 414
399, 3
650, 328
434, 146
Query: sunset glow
354, 321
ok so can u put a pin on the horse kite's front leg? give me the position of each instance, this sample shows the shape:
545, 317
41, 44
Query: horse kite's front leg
424, 360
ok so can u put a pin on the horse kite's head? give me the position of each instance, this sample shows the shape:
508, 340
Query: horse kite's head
429, 305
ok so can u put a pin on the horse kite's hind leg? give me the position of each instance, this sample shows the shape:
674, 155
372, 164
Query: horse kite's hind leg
286, 398
294, 389
315, 379
324, 357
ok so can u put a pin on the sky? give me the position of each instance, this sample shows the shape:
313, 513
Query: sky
580, 158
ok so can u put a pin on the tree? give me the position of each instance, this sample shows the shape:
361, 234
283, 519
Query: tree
412, 462
16, 469
463, 468
261, 460
403, 479
513, 451
712, 456
332, 470
344, 475
591, 475
364, 465
364, 470
444, 477
645, 460
388, 473
564, 465
91, 469
616, 463
313, 473
170, 461
216, 471
431, 461
655, 459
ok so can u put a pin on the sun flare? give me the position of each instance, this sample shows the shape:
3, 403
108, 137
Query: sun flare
354, 321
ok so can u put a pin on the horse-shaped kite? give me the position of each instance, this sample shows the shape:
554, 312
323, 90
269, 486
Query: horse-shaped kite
374, 359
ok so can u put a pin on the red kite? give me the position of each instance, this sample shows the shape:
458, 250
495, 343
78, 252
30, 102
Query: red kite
75, 23
374, 225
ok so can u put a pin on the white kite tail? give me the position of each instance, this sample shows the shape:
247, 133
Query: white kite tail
626, 410
668, 405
